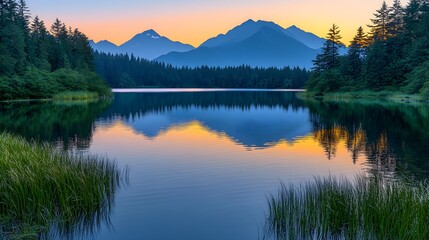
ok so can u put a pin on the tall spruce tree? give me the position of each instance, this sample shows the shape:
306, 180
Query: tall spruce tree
396, 19
356, 54
380, 23
329, 58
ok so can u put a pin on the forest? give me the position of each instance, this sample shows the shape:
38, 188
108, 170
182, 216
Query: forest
36, 62
126, 71
392, 57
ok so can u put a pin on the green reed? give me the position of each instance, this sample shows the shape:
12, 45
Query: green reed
79, 95
42, 188
337, 208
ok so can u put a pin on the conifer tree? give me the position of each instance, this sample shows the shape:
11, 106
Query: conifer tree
329, 58
56, 28
396, 19
380, 23
356, 54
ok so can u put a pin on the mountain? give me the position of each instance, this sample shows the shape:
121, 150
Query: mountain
309, 39
148, 45
104, 46
239, 33
258, 44
151, 45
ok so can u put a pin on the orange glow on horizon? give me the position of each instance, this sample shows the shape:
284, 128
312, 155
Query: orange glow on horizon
195, 23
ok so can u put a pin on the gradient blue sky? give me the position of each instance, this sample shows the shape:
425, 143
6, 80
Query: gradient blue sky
194, 21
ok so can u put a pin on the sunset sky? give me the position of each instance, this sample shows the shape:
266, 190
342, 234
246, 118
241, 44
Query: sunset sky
194, 21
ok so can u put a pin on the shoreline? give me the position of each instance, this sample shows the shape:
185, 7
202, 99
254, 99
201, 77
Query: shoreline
371, 96
58, 98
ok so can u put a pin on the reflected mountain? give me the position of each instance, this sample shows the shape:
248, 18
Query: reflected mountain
384, 134
253, 128
252, 119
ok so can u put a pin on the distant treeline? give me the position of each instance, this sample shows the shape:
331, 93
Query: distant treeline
38, 63
125, 71
393, 56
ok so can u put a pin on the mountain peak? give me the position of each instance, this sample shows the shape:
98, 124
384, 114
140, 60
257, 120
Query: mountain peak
104, 41
249, 21
150, 33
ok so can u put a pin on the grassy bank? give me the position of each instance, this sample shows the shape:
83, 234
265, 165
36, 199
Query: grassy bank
366, 95
341, 209
43, 190
80, 95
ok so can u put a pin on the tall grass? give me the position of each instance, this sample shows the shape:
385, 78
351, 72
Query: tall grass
80, 95
367, 208
43, 190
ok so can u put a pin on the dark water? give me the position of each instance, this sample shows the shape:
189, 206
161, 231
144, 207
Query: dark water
202, 163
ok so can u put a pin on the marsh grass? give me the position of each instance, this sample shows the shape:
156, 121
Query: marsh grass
44, 190
367, 96
79, 95
337, 208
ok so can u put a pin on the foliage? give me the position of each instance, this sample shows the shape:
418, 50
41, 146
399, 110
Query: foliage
36, 63
37, 83
393, 56
76, 95
128, 71
44, 190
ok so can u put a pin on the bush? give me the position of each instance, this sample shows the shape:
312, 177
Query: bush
328, 81
418, 80
41, 84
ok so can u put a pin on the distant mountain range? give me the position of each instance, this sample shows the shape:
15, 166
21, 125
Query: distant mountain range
148, 45
253, 43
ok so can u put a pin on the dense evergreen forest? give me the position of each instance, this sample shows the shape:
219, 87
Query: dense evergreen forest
393, 56
128, 71
38, 63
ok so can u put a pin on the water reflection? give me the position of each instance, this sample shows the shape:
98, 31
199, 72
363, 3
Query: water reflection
68, 124
385, 133
216, 155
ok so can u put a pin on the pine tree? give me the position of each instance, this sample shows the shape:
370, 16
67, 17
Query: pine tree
380, 24
39, 44
23, 15
412, 16
56, 28
396, 19
329, 58
356, 54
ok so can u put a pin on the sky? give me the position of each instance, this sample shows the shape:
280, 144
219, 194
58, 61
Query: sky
194, 21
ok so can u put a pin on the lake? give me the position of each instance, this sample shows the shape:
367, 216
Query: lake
202, 163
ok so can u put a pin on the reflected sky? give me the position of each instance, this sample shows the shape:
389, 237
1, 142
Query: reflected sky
202, 163
190, 182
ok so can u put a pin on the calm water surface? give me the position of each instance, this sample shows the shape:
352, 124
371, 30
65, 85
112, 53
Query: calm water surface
203, 162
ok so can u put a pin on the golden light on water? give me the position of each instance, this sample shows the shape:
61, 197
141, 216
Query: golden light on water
194, 143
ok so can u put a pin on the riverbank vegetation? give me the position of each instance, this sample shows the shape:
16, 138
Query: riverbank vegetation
80, 95
44, 190
393, 57
39, 63
367, 208
124, 71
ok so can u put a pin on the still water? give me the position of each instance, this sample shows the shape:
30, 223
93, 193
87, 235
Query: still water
202, 163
